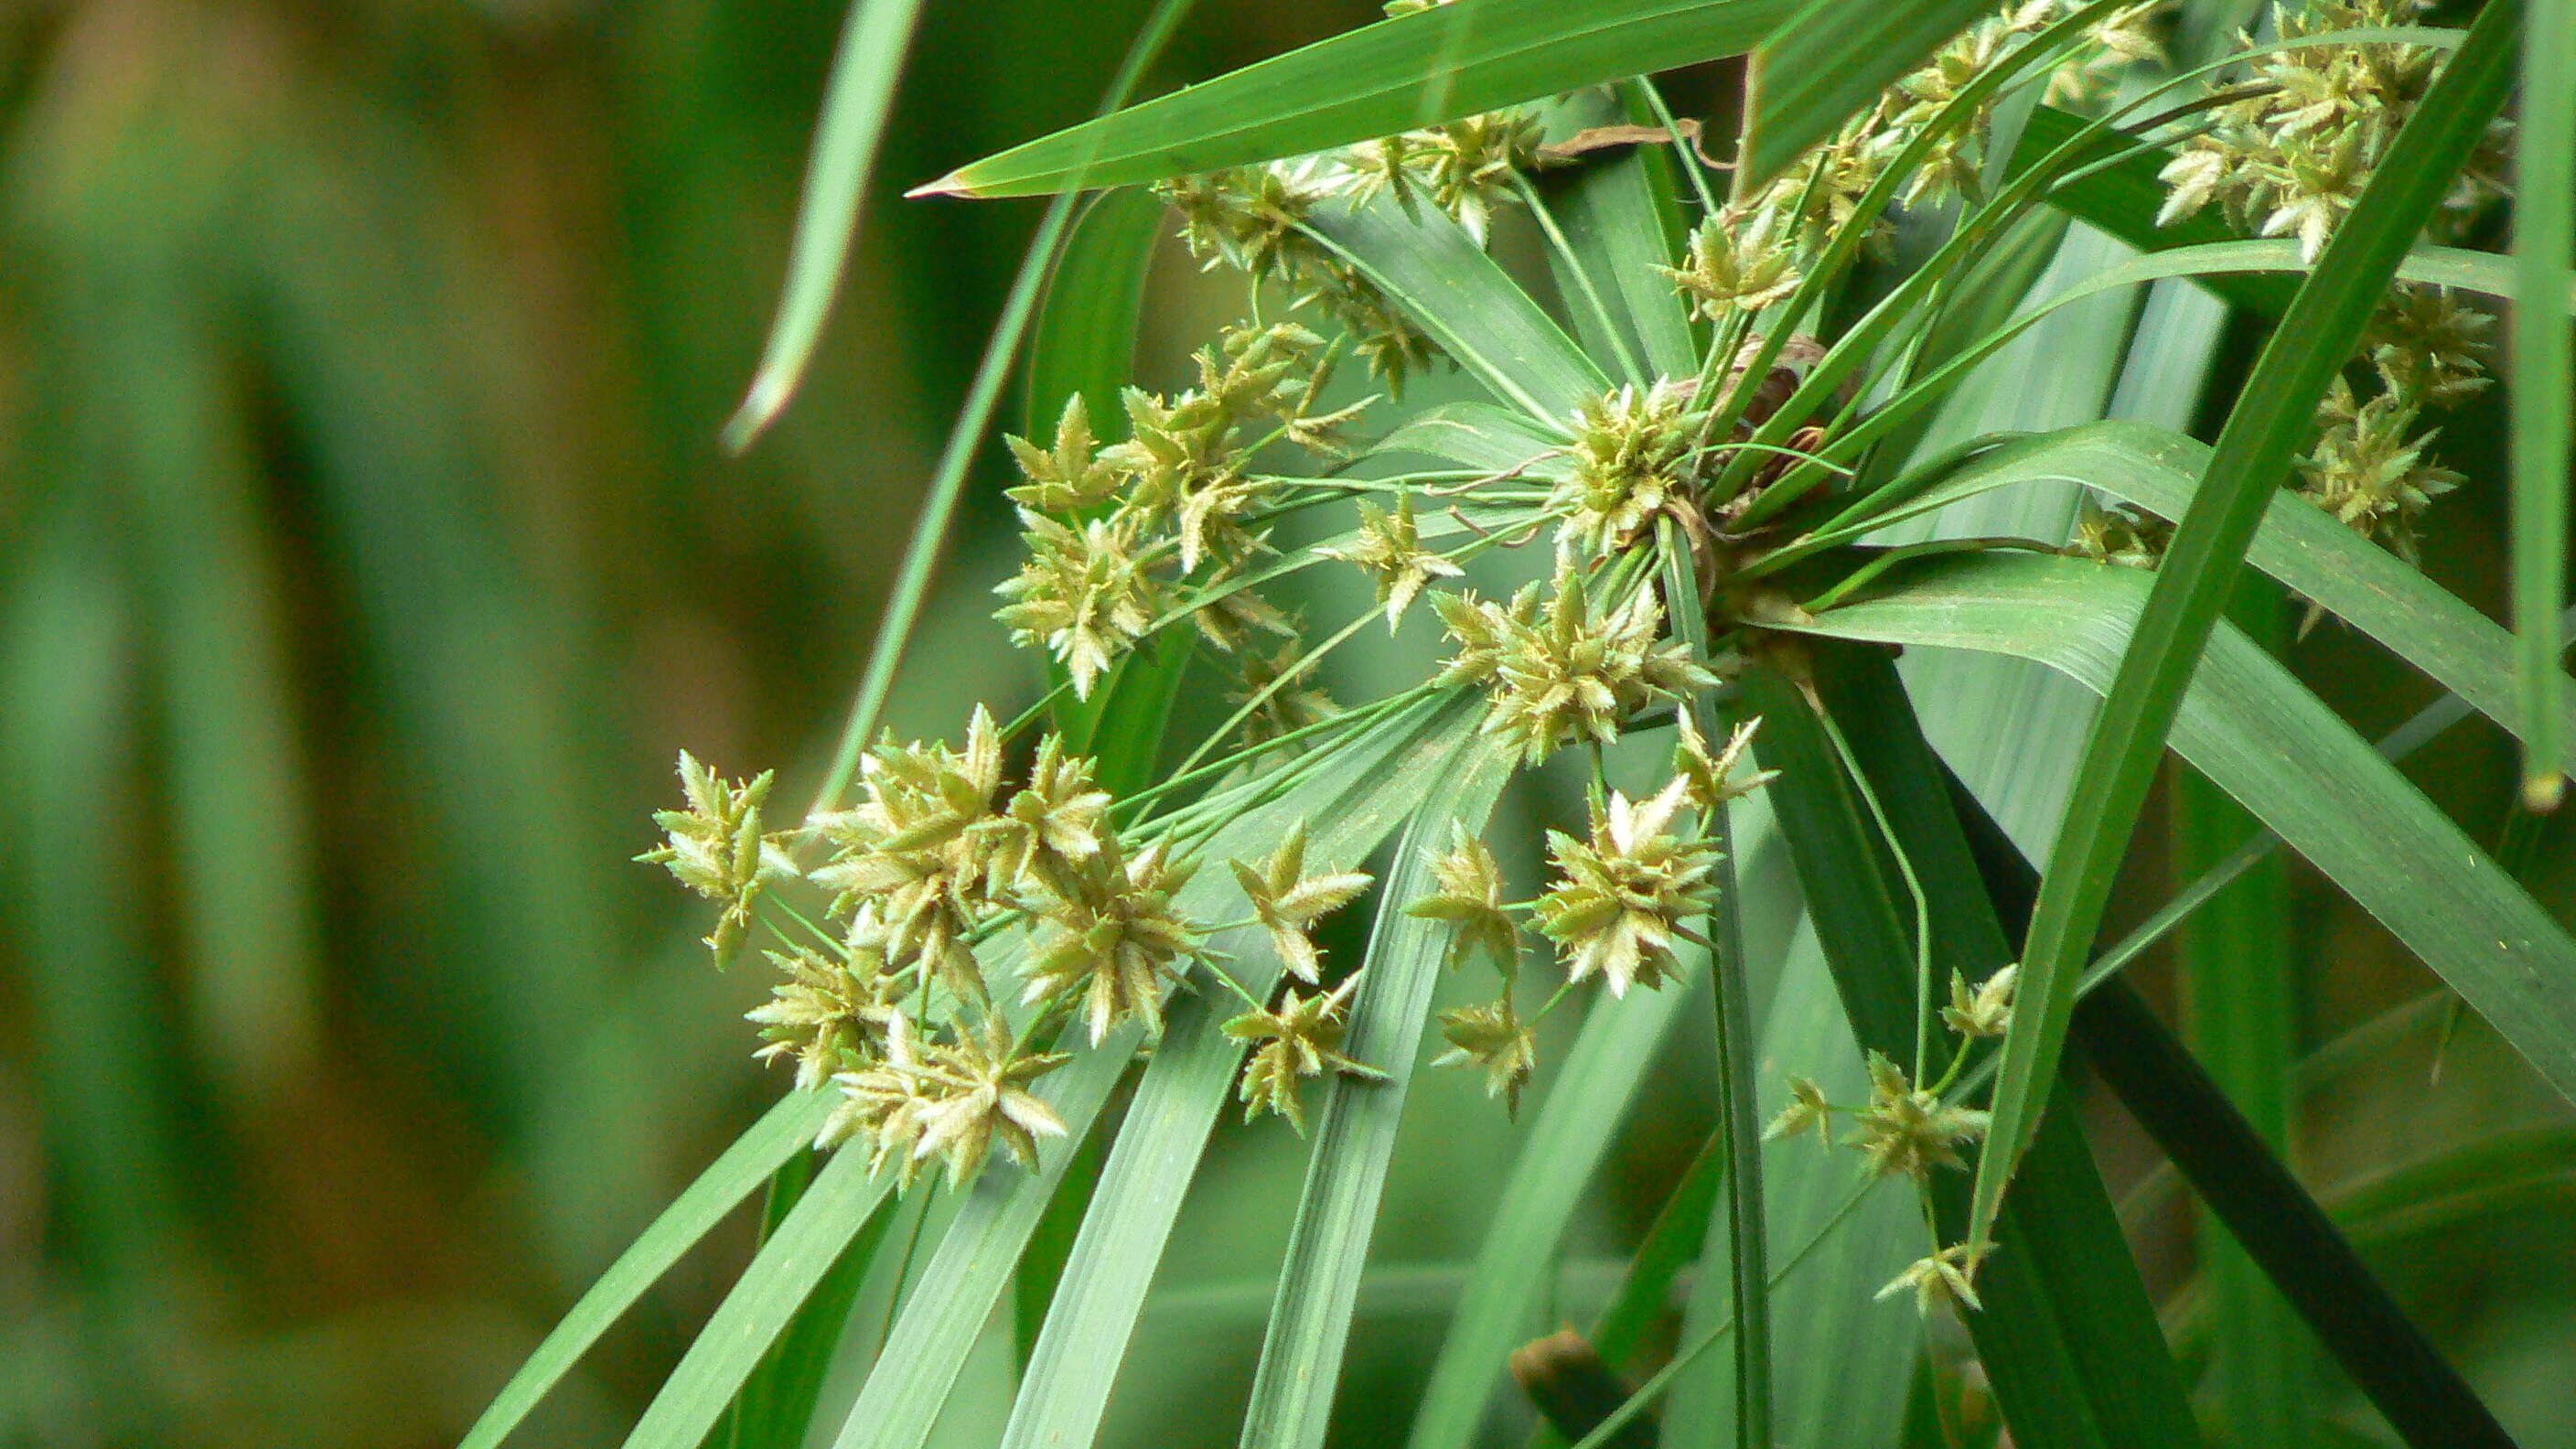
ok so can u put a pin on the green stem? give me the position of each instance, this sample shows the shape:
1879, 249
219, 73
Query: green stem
966, 436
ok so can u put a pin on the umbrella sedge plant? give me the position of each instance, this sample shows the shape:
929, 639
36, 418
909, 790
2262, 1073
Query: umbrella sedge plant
1666, 526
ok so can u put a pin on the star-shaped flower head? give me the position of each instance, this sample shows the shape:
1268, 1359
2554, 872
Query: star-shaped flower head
2428, 346
2368, 469
1474, 161
1053, 824
1985, 1011
1632, 461
1289, 902
1467, 892
1068, 478
828, 1014
1621, 897
915, 852
715, 847
883, 1103
1389, 550
1246, 217
1117, 939
1571, 671
1808, 1111
1084, 596
1491, 1036
1906, 1132
1708, 781
975, 1093
1301, 1037
1948, 1277
2114, 535
1739, 261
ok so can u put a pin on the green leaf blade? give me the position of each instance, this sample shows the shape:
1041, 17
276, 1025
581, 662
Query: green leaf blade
2336, 801
855, 106
2544, 387
1354, 1135
781, 1132
1415, 70
843, 1198
2266, 427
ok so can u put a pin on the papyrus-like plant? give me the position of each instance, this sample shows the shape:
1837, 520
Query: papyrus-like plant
1684, 510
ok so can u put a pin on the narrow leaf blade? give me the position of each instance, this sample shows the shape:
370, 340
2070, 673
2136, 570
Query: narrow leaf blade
1416, 70
2267, 425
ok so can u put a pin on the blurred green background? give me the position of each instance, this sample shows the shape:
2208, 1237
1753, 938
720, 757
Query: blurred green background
369, 553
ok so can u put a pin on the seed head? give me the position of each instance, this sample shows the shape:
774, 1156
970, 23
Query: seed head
715, 847
1114, 943
1906, 1132
1068, 478
1740, 260
1985, 1011
2368, 468
1709, 781
1289, 902
1468, 894
1389, 550
1621, 896
1632, 461
1300, 1038
973, 1093
1808, 1111
828, 1014
1570, 672
1083, 595
1491, 1036
1947, 1278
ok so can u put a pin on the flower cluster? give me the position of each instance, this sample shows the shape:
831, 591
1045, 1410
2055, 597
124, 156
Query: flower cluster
2292, 155
2289, 157
1618, 899
1558, 668
938, 853
1911, 1130
1254, 218
2114, 534
2426, 350
1746, 257
1299, 1038
1118, 537
716, 848
1632, 461
895, 1012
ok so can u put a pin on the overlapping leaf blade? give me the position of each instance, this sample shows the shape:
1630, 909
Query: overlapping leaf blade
1374, 781
2333, 798
1354, 1134
2266, 426
2311, 554
1415, 70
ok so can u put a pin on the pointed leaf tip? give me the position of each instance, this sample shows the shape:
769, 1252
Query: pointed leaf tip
948, 185
761, 406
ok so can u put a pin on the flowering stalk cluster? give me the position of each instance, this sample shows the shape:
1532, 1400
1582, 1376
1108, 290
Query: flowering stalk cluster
895, 1007
2289, 157
1120, 536
1751, 254
1617, 900
1912, 1131
1255, 218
